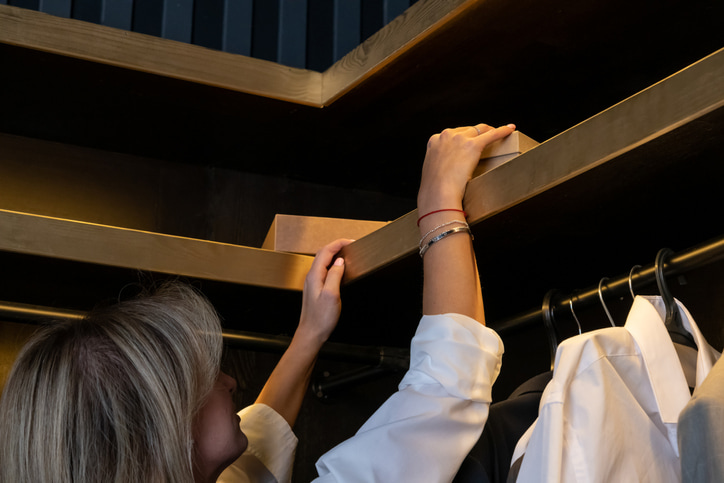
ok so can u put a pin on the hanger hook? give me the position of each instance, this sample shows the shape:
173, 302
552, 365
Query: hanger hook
600, 296
673, 321
578, 323
661, 258
550, 324
630, 278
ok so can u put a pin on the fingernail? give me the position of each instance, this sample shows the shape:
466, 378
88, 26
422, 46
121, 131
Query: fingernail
339, 262
511, 126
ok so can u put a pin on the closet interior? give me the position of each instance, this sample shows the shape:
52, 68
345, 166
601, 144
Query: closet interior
126, 158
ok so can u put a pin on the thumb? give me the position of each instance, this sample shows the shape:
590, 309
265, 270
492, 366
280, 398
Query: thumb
334, 276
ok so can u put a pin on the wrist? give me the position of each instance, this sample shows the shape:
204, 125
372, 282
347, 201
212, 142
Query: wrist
452, 214
438, 201
308, 340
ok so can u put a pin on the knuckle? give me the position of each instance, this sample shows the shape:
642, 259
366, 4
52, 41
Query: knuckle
447, 133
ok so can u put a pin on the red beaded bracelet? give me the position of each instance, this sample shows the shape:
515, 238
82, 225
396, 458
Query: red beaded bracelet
438, 211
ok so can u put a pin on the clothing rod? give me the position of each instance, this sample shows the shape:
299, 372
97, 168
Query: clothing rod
686, 260
384, 357
15, 311
326, 386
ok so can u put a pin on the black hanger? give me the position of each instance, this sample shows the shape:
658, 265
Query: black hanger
673, 318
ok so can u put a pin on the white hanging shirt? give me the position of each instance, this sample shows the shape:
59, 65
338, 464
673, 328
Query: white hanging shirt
610, 412
423, 432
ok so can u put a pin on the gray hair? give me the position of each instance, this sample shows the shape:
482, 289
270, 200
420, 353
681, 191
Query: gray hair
112, 397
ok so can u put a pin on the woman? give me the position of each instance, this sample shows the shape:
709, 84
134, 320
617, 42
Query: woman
134, 391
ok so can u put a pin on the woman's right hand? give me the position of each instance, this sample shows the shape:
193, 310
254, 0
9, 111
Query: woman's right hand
451, 158
451, 281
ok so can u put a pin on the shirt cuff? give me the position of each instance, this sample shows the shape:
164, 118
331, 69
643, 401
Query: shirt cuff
457, 352
271, 440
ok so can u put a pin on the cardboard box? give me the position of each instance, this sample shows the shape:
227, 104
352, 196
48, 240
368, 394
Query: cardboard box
503, 151
307, 234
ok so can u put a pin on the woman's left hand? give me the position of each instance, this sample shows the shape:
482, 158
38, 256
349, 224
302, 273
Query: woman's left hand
321, 301
321, 305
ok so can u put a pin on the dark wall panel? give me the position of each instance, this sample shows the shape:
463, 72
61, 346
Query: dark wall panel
31, 4
320, 17
60, 8
147, 17
265, 30
208, 23
292, 45
87, 10
236, 35
117, 13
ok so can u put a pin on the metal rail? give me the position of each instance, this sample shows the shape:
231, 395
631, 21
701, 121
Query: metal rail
387, 358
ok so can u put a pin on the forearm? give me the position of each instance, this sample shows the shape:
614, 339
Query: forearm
285, 389
451, 282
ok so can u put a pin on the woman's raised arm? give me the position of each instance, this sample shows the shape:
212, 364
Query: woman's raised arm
451, 279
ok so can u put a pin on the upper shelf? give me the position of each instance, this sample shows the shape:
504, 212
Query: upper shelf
545, 66
146, 53
130, 50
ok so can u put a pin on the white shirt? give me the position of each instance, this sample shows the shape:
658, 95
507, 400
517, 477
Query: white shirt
269, 456
610, 412
423, 432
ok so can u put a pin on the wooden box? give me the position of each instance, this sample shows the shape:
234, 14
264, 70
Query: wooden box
502, 151
307, 234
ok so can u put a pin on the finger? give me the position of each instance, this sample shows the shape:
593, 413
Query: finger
479, 129
455, 130
334, 277
332, 250
325, 254
493, 134
323, 258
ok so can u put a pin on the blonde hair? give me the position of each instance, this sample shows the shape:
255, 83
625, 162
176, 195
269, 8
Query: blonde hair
112, 397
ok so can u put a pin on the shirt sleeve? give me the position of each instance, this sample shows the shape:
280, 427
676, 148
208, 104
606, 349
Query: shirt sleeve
272, 445
424, 431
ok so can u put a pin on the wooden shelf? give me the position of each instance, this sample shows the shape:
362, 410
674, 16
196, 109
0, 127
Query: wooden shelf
131, 50
393, 40
652, 114
139, 250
